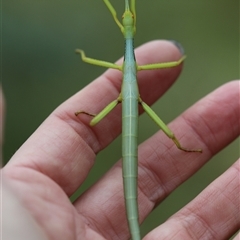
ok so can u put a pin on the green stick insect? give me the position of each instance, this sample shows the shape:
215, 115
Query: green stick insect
130, 99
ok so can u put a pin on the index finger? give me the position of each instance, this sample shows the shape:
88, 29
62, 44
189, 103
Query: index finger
64, 146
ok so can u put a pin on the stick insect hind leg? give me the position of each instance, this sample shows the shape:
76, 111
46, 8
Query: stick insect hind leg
98, 117
153, 115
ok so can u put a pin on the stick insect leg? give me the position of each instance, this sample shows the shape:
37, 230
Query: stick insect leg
97, 62
161, 65
114, 14
133, 10
164, 127
98, 117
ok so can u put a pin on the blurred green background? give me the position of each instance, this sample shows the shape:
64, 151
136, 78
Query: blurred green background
41, 70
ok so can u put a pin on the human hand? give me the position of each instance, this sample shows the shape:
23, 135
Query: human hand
57, 158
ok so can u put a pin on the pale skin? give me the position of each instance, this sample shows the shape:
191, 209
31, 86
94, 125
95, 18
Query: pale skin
57, 158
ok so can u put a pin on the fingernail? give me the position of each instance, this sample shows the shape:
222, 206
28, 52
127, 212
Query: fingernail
179, 46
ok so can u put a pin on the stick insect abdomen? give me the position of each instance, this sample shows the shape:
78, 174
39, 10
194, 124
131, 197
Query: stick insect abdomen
130, 97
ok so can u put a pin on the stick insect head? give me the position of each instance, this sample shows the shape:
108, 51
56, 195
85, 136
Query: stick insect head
129, 18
